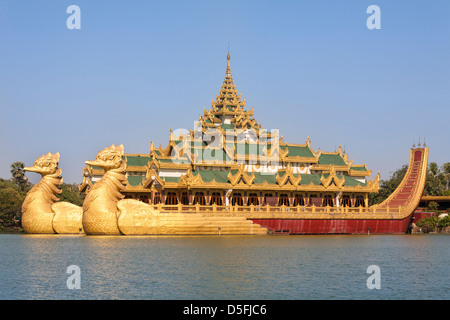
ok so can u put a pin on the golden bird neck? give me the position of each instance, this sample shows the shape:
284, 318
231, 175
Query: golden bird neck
108, 190
117, 176
43, 194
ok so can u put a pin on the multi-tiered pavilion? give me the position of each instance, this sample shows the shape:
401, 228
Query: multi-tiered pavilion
229, 159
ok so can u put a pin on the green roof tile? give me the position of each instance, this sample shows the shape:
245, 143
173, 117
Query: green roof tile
332, 159
358, 168
134, 180
209, 175
137, 161
260, 178
308, 178
297, 151
351, 182
227, 126
248, 148
210, 155
171, 179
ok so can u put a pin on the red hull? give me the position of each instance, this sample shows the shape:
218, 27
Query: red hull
341, 226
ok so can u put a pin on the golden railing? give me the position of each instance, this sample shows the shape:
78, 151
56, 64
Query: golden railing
251, 209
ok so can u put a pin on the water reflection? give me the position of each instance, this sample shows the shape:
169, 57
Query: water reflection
225, 267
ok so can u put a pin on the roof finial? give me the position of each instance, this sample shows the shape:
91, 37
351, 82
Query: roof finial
228, 63
424, 144
419, 141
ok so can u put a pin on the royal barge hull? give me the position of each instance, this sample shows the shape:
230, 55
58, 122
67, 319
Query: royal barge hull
341, 226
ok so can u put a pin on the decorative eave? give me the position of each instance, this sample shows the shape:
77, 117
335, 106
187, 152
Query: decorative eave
374, 186
288, 177
326, 182
360, 173
299, 160
236, 178
165, 152
136, 169
151, 177
153, 163
189, 179
326, 168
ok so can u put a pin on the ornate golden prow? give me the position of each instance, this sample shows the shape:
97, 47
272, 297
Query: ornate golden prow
100, 205
41, 213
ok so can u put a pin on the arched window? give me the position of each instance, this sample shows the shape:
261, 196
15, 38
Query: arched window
283, 200
216, 198
237, 199
327, 200
299, 200
199, 198
253, 199
345, 201
171, 198
359, 201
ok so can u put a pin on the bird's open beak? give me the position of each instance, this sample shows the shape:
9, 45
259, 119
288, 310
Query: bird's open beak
93, 163
32, 169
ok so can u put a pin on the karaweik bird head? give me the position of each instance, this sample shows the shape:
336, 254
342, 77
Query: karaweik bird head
108, 158
45, 165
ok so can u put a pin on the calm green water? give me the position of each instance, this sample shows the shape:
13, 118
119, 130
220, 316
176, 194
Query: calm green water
224, 267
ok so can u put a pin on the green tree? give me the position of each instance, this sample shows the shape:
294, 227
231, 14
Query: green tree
444, 222
71, 194
445, 169
433, 206
18, 176
434, 184
11, 199
387, 187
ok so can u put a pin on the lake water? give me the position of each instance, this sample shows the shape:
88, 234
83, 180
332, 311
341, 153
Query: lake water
224, 267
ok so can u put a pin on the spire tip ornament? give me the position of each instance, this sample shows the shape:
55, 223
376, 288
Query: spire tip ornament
228, 64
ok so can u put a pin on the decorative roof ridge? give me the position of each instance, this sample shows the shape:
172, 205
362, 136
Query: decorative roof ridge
332, 153
136, 155
360, 165
287, 144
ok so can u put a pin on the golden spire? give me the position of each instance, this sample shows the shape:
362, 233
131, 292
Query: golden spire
228, 102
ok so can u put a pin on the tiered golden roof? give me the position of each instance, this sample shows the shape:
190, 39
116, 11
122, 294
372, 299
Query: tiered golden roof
236, 158
228, 103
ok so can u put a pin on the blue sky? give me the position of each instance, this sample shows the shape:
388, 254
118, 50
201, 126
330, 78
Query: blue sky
136, 69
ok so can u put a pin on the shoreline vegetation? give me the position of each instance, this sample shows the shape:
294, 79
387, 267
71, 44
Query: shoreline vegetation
435, 223
14, 190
